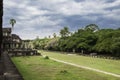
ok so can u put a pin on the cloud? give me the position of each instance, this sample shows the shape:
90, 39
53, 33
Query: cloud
45, 17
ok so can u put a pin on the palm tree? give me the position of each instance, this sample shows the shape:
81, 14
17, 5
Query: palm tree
1, 14
12, 22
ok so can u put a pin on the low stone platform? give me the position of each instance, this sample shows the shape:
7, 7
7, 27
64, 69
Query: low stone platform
23, 52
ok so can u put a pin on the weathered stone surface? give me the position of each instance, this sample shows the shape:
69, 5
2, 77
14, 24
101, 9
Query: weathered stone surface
10, 70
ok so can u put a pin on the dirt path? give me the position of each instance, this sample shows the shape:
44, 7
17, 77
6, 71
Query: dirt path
84, 67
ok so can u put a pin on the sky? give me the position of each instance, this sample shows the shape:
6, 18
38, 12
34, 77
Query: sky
41, 18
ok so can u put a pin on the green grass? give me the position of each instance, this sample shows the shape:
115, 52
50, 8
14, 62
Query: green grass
108, 65
38, 68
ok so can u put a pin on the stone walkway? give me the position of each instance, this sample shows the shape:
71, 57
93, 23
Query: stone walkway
8, 71
1, 70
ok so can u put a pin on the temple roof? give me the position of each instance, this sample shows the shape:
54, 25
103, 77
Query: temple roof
14, 36
7, 30
8, 37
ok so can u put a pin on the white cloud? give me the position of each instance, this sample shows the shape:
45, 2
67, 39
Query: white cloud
44, 17
114, 14
87, 7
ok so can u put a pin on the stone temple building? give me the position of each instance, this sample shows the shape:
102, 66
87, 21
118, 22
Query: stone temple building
14, 45
10, 41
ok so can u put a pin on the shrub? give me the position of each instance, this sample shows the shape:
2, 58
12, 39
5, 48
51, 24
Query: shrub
64, 71
46, 57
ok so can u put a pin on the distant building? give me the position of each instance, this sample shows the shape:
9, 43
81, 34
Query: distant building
15, 46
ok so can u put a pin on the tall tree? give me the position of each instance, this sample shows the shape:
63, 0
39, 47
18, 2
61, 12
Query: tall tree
64, 32
1, 14
12, 22
54, 35
92, 27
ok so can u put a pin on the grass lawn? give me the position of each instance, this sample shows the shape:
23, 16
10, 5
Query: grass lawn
38, 68
108, 65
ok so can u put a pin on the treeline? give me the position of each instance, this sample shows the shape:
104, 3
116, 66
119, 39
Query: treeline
91, 39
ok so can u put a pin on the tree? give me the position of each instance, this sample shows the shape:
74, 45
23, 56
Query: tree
108, 42
52, 44
12, 22
54, 35
64, 32
92, 27
1, 14
49, 36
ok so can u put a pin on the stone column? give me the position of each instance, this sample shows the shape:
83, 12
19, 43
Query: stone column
1, 34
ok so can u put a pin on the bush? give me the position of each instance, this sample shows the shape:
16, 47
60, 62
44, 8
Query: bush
63, 71
46, 57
